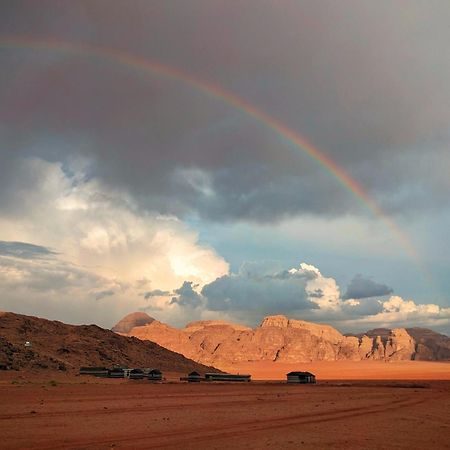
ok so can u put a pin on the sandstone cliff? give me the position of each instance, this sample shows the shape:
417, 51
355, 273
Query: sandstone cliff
281, 339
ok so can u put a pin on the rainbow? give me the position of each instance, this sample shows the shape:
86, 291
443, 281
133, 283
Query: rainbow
156, 68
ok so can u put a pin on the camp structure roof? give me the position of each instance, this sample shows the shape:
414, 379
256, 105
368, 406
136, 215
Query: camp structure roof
116, 372
227, 377
297, 373
96, 371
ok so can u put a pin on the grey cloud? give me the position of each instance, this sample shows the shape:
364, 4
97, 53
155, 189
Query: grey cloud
50, 287
341, 74
46, 275
361, 287
39, 269
24, 250
318, 293
250, 269
156, 293
366, 307
103, 294
186, 296
278, 293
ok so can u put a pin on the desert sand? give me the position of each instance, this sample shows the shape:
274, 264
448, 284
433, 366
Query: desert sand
88, 413
348, 370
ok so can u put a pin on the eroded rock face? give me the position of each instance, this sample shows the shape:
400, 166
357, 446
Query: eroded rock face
400, 345
278, 338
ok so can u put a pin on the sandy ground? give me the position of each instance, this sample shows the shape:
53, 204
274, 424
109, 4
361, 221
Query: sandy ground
88, 413
349, 370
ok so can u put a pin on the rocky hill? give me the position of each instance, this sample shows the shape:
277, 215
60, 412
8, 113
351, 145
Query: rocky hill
136, 319
278, 338
58, 346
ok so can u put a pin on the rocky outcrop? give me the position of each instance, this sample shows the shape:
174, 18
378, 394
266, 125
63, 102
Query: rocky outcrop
279, 338
430, 346
400, 345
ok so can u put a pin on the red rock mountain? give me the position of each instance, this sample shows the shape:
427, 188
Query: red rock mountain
136, 319
278, 338
58, 346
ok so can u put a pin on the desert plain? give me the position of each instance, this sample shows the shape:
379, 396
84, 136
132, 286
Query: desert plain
63, 411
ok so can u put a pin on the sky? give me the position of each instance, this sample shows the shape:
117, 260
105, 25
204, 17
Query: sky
207, 159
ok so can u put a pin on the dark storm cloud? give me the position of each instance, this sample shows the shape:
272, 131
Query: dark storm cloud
186, 296
361, 287
277, 293
24, 250
365, 81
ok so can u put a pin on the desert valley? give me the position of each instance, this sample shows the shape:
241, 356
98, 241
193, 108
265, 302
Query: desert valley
224, 225
401, 387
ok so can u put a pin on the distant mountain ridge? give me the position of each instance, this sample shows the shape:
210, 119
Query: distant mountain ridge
59, 346
278, 338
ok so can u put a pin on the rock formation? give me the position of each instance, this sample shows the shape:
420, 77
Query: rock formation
281, 339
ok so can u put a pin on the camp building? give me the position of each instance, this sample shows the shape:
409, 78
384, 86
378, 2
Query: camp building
136, 374
154, 375
226, 377
194, 377
301, 377
95, 371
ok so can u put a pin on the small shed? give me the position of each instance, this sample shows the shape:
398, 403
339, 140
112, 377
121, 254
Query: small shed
226, 377
301, 377
155, 375
194, 377
136, 374
95, 371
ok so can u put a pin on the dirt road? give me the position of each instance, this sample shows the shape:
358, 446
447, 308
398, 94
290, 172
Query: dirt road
369, 415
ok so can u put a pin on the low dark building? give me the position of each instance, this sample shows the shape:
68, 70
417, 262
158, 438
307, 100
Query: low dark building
136, 374
194, 377
301, 377
4, 366
226, 377
155, 375
117, 372
95, 371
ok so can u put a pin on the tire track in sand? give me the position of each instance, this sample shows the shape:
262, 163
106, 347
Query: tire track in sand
179, 437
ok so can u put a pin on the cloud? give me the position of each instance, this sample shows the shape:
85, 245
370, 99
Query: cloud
104, 247
24, 250
361, 287
45, 275
156, 293
106, 165
398, 312
187, 296
198, 155
256, 288
102, 294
